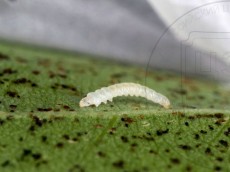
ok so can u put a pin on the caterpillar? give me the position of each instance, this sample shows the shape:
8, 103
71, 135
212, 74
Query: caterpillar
123, 89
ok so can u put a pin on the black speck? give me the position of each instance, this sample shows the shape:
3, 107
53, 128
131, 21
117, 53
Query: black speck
119, 164
26, 152
186, 123
5, 163
208, 151
60, 145
37, 121
44, 138
203, 132
65, 136
219, 115
175, 160
188, 168
217, 168
185, 147
66, 107
34, 85
35, 72
219, 159
152, 151
161, 132
101, 154
197, 136
219, 121
227, 132
124, 139
12, 94
2, 121
8, 71
32, 128
210, 127
224, 143
21, 81
4, 56
44, 109
36, 156
167, 150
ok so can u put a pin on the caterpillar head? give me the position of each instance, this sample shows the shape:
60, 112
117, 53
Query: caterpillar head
87, 101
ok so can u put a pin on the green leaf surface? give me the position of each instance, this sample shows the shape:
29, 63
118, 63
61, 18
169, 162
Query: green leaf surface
43, 128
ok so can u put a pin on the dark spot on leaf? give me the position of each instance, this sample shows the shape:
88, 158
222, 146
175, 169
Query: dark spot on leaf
2, 121
101, 154
12, 94
35, 72
219, 159
224, 143
180, 91
13, 107
5, 163
203, 132
37, 121
227, 132
152, 152
60, 145
124, 139
219, 115
21, 81
34, 85
167, 150
119, 164
36, 156
66, 107
188, 168
65, 136
26, 152
32, 128
217, 168
162, 132
127, 120
4, 56
175, 160
186, 123
185, 147
10, 117
210, 127
219, 122
197, 136
44, 109
44, 138
8, 71
208, 151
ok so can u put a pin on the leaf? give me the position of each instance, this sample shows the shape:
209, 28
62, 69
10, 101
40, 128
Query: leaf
43, 128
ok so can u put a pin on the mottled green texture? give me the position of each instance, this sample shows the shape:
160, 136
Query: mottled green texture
43, 129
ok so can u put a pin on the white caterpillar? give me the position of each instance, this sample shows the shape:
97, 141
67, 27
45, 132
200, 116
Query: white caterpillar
123, 89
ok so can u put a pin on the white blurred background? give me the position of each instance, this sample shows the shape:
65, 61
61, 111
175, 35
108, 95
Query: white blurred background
192, 37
